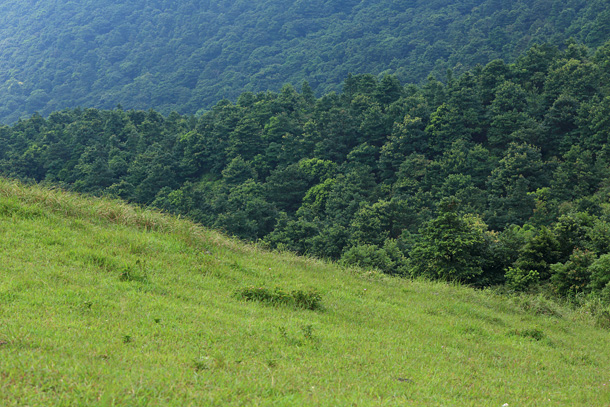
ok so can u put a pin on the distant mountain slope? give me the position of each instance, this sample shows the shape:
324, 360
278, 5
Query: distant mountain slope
105, 304
185, 55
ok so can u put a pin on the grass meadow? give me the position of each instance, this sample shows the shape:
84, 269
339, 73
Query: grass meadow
106, 304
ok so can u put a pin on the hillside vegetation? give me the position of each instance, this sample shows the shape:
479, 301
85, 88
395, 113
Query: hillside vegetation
102, 303
186, 55
499, 176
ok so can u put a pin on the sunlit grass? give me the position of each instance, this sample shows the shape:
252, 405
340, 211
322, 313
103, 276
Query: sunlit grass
75, 331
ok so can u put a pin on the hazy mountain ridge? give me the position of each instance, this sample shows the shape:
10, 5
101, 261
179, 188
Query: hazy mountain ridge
187, 55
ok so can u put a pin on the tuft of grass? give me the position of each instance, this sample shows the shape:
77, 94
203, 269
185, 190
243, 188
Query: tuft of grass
537, 305
134, 273
602, 319
535, 334
298, 299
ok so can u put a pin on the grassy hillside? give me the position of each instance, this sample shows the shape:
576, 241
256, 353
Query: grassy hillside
106, 304
186, 55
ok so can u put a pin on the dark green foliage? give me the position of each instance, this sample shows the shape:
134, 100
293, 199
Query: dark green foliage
519, 280
238, 171
519, 172
293, 235
299, 299
387, 258
287, 187
573, 232
186, 55
573, 276
452, 246
599, 276
538, 253
382, 220
244, 212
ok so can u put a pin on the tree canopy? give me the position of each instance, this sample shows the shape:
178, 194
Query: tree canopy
186, 55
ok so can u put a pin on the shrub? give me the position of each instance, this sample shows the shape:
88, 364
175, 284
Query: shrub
519, 279
451, 247
573, 276
388, 258
300, 299
599, 272
539, 252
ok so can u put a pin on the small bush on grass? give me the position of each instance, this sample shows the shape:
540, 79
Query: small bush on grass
300, 299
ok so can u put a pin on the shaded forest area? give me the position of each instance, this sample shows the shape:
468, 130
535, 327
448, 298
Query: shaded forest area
186, 55
499, 176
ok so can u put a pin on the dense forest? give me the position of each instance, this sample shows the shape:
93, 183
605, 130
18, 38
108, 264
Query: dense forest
498, 175
186, 55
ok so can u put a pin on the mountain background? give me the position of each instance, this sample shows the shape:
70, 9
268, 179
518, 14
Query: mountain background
186, 55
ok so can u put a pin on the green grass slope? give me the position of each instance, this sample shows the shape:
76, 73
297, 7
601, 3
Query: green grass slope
106, 304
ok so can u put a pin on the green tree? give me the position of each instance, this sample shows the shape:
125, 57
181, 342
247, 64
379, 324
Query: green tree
286, 187
539, 252
519, 173
351, 190
374, 223
574, 275
246, 214
407, 137
446, 126
238, 171
387, 258
246, 139
577, 175
388, 90
451, 247
293, 234
599, 275
508, 115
